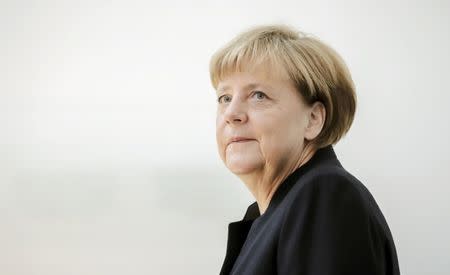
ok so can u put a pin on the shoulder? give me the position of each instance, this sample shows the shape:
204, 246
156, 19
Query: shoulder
331, 193
331, 182
328, 181
331, 224
331, 221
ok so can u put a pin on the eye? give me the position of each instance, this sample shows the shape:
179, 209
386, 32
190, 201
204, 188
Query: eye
224, 99
259, 95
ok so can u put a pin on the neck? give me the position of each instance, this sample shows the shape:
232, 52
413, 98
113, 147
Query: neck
264, 182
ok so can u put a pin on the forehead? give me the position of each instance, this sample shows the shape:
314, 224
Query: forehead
252, 76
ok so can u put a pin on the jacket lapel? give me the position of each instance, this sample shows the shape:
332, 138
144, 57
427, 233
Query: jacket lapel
237, 234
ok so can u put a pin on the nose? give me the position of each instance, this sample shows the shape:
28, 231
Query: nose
236, 112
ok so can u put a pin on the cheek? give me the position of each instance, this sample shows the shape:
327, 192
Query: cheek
267, 130
220, 138
279, 134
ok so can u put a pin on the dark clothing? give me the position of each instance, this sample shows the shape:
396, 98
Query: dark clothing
320, 221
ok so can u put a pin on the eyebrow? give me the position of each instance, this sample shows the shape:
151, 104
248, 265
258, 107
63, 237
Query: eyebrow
246, 87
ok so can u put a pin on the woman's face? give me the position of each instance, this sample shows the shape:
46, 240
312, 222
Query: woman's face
261, 121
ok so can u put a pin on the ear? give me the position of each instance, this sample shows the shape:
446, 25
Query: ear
317, 115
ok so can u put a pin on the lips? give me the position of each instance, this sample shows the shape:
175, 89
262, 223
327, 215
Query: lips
239, 140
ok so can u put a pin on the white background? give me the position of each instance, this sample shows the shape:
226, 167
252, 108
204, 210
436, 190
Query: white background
108, 162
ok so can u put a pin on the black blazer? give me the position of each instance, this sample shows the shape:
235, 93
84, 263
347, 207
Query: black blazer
320, 221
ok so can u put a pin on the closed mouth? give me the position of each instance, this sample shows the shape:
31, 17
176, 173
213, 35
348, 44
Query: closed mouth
241, 140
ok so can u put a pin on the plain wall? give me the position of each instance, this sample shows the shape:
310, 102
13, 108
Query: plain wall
108, 162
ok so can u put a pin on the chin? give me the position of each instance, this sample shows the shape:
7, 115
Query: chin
242, 168
241, 162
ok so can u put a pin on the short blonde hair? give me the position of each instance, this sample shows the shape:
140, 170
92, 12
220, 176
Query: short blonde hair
317, 71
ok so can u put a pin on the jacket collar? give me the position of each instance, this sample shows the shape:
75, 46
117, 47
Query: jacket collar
321, 156
238, 231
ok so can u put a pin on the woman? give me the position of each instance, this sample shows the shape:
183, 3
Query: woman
284, 98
